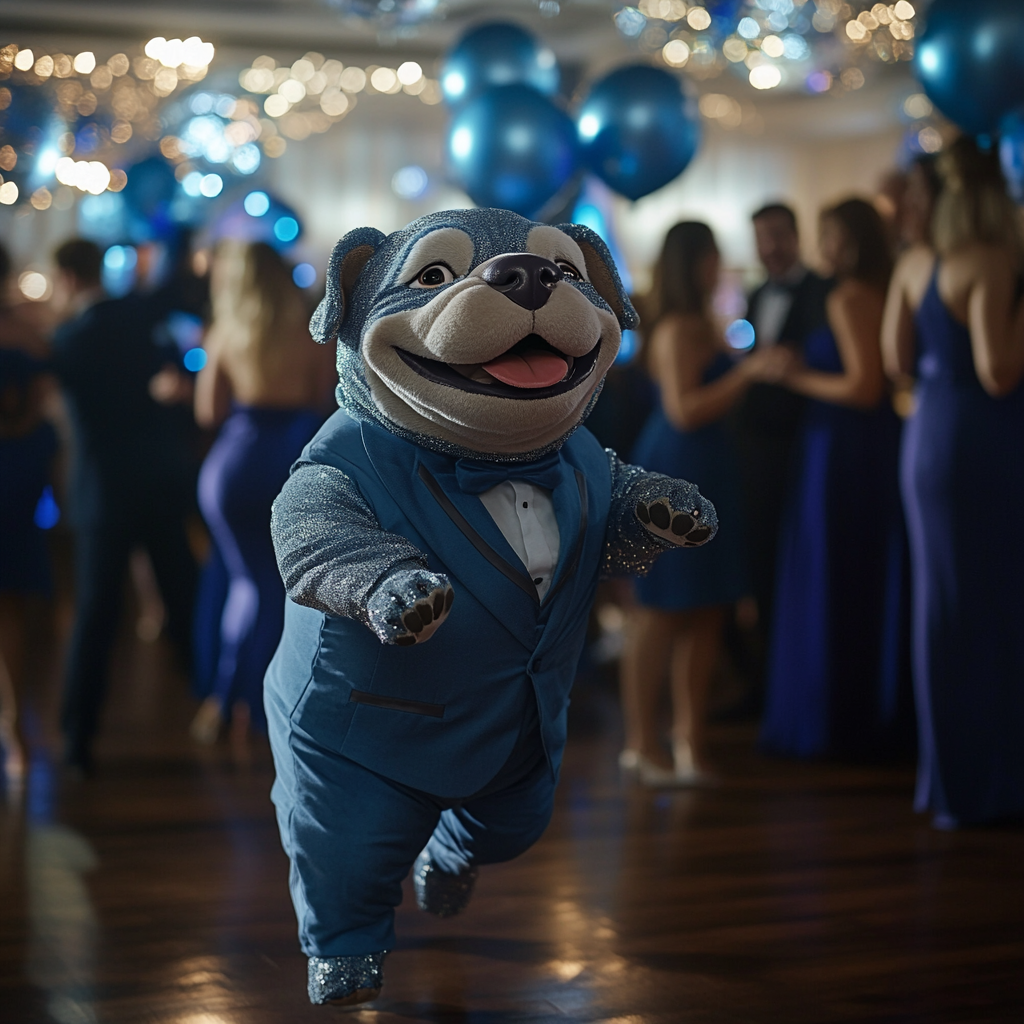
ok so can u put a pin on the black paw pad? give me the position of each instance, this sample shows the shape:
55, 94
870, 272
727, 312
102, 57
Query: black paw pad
642, 514
449, 599
682, 524
438, 604
699, 535
405, 641
412, 621
660, 515
425, 610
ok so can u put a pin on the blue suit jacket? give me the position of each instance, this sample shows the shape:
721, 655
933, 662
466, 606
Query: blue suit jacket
443, 716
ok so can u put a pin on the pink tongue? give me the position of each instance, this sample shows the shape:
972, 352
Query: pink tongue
536, 369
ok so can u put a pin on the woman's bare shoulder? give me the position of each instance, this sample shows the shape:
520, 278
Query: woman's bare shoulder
852, 294
682, 327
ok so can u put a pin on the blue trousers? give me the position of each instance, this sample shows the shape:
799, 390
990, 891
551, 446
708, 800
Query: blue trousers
352, 835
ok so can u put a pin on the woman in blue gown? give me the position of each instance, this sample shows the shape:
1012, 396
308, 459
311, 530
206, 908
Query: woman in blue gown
838, 679
267, 386
28, 445
676, 628
955, 321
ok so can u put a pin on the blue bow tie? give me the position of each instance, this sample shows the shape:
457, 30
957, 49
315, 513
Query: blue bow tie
476, 476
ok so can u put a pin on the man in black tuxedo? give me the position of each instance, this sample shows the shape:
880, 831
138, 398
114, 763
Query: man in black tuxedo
130, 484
785, 310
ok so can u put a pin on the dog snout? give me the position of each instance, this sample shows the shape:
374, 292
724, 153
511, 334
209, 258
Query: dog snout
526, 279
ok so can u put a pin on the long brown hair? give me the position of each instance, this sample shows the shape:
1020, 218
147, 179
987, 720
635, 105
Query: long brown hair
257, 308
974, 205
865, 233
676, 282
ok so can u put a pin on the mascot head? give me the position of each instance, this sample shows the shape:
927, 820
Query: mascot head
474, 332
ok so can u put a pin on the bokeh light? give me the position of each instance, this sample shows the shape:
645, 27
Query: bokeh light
740, 335
194, 359
304, 275
286, 229
410, 182
34, 285
256, 204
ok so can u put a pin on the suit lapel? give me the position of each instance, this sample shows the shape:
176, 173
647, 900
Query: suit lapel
570, 501
457, 528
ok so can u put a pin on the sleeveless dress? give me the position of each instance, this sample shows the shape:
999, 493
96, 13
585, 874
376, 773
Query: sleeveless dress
239, 480
838, 682
963, 487
24, 474
716, 573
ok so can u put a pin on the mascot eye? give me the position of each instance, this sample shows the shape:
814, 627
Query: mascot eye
569, 270
433, 276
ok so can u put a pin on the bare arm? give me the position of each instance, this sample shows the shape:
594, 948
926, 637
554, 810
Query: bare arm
213, 389
996, 322
855, 316
680, 355
898, 333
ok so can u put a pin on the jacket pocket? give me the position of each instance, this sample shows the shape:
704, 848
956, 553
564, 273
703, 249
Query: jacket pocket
413, 707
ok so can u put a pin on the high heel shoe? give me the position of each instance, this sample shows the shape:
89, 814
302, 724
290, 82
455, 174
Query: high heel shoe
687, 772
646, 771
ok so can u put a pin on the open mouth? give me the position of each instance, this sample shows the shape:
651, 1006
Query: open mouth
530, 369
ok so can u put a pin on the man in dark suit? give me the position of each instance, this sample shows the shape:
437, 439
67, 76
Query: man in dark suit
128, 485
785, 310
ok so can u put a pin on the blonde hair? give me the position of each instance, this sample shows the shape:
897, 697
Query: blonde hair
973, 205
258, 310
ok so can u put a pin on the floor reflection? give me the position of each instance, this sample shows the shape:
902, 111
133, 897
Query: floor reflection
62, 921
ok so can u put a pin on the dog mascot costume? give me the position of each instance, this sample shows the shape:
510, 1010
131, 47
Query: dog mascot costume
441, 539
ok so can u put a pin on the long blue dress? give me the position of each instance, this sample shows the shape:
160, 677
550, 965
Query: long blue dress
24, 472
963, 489
716, 573
240, 478
838, 680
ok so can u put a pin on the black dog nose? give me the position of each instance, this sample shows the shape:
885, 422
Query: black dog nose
526, 279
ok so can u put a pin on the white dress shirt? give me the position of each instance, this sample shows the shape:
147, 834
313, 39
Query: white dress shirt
774, 305
526, 517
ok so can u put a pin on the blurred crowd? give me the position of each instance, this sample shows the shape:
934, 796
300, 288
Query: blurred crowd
862, 444
869, 443
159, 430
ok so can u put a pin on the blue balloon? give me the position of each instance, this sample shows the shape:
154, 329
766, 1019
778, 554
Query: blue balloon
970, 62
497, 53
637, 129
512, 148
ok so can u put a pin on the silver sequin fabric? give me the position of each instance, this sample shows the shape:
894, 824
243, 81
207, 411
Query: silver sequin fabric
629, 548
335, 977
330, 548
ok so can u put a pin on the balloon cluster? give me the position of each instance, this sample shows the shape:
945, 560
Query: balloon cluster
971, 65
511, 144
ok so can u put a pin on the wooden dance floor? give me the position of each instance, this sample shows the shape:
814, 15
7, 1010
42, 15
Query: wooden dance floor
156, 894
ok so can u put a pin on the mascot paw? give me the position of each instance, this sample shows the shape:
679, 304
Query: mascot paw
408, 608
683, 529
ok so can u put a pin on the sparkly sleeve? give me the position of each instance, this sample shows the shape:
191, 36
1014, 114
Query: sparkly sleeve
330, 548
630, 549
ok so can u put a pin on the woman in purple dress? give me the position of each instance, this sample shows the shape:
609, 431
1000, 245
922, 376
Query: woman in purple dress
838, 680
268, 387
954, 320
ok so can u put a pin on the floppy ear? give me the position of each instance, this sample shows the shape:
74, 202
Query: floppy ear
350, 255
602, 273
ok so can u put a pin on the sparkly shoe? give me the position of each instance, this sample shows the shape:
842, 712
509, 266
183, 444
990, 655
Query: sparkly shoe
345, 980
438, 892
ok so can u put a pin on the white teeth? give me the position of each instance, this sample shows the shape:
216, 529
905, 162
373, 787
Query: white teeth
474, 371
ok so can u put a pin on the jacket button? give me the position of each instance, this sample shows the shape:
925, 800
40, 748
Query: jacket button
537, 664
